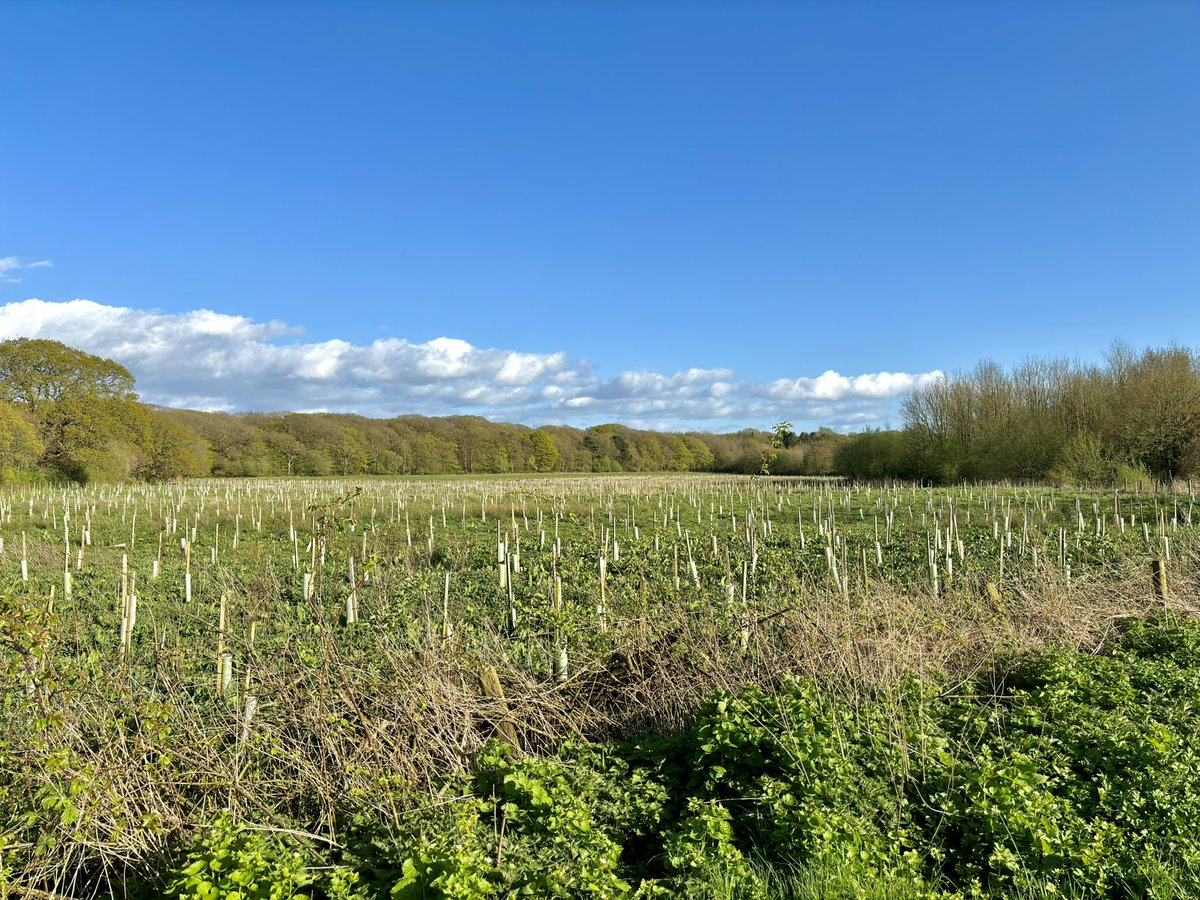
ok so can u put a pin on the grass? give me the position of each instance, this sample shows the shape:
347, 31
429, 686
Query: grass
119, 755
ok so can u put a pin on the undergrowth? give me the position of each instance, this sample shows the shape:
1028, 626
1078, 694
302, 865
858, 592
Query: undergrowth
1062, 773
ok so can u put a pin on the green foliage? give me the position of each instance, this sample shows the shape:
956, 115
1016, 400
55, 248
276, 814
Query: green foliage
1078, 778
544, 456
873, 456
1134, 419
1077, 424
35, 372
448, 860
86, 422
1065, 774
168, 450
1083, 462
702, 846
547, 827
553, 845
232, 863
1135, 476
767, 456
1080, 774
823, 778
323, 444
20, 447
1088, 772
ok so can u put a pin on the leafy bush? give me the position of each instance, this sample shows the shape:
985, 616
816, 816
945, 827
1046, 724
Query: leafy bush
702, 847
1084, 460
232, 863
552, 846
814, 781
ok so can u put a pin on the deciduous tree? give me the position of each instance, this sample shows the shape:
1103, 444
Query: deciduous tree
36, 371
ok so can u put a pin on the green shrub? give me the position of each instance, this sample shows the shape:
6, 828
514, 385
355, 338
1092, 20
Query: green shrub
548, 842
232, 863
812, 781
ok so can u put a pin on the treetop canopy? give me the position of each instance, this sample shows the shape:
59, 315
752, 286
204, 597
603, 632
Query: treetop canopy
35, 371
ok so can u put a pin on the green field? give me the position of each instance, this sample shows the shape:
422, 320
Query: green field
589, 686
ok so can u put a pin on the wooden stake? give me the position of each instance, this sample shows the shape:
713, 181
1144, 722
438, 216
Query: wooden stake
1158, 579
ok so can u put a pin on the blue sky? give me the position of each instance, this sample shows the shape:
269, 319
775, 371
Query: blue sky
669, 214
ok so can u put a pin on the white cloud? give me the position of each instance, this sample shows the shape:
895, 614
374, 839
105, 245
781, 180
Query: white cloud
208, 360
16, 264
830, 385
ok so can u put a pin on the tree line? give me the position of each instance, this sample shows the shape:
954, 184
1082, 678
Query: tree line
1132, 418
278, 444
70, 416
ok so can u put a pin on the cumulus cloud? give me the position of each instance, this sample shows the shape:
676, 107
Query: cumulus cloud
208, 360
15, 264
830, 385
